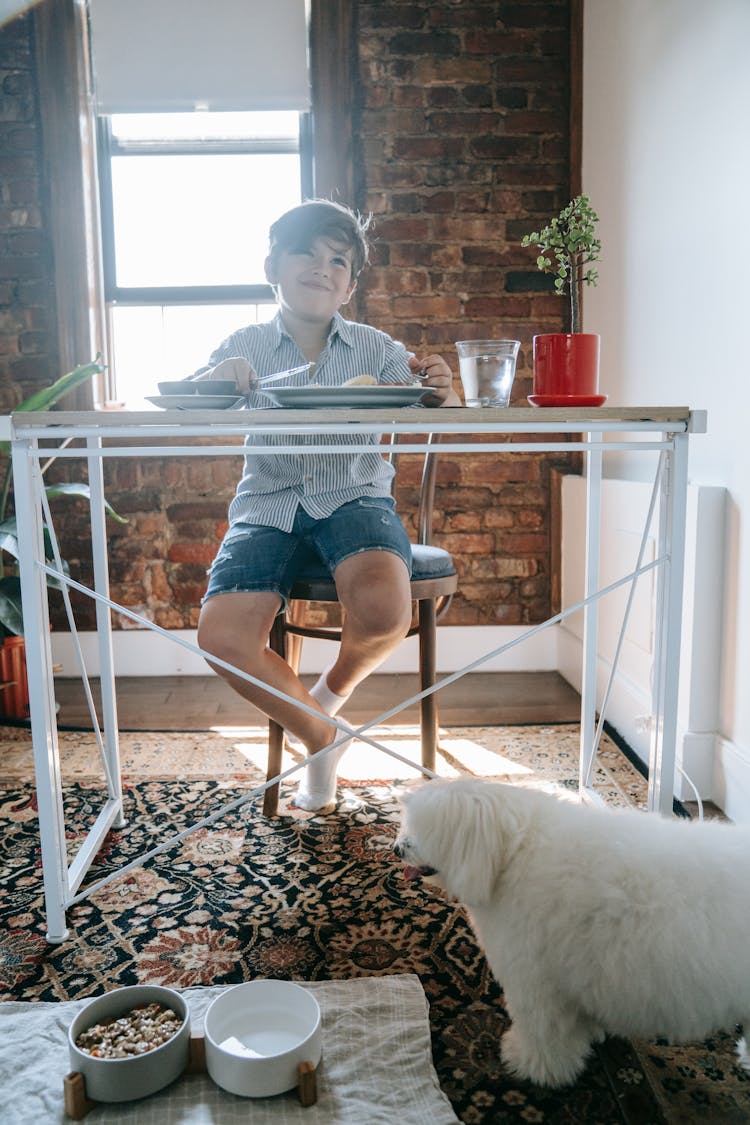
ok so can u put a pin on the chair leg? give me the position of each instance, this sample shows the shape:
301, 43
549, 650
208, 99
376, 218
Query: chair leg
296, 616
428, 709
277, 642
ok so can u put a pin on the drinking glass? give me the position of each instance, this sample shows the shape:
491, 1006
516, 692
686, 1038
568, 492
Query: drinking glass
487, 368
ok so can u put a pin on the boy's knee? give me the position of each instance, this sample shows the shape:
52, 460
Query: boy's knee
210, 638
387, 617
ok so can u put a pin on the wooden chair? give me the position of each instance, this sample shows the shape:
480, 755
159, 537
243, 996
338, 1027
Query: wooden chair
433, 583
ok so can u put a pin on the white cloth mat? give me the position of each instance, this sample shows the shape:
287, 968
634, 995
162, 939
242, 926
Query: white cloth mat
376, 1066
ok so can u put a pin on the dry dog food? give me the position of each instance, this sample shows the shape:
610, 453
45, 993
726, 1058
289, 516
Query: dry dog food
134, 1033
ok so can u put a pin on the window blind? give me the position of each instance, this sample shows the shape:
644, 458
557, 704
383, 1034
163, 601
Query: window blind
167, 56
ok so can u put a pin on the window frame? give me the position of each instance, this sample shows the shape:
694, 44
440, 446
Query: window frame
110, 146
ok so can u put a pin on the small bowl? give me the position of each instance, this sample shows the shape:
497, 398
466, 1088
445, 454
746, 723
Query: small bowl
124, 1080
178, 387
257, 1034
216, 387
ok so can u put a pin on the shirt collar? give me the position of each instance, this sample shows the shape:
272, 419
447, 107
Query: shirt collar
339, 327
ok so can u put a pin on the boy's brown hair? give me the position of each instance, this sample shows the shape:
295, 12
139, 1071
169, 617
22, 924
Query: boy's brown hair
321, 218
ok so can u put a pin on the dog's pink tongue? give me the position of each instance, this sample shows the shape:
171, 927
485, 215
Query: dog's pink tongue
411, 872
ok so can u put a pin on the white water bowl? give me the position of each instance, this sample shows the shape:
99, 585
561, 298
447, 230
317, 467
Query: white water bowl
258, 1033
123, 1080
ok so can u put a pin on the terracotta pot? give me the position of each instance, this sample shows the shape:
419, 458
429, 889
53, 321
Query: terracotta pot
566, 363
14, 695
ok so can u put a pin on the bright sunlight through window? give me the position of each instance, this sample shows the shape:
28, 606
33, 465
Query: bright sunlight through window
190, 199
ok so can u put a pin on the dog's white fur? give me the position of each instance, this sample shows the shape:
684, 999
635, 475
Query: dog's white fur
593, 921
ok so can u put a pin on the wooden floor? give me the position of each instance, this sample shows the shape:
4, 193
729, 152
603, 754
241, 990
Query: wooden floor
200, 702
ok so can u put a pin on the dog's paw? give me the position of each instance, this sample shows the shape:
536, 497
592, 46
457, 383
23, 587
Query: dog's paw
544, 1064
742, 1054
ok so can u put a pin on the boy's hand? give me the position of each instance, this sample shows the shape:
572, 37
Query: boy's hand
439, 380
235, 368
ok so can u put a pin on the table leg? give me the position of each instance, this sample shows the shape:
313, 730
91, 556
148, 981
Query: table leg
590, 615
27, 487
104, 624
672, 515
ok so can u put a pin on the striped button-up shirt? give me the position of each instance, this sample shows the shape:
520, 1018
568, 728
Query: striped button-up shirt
273, 485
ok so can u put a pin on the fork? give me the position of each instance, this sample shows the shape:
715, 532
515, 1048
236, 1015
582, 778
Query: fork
264, 380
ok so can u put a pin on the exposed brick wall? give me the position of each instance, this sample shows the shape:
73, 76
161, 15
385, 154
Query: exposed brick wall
28, 358
462, 125
464, 143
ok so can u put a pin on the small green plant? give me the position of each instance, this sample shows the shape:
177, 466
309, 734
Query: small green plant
567, 246
11, 615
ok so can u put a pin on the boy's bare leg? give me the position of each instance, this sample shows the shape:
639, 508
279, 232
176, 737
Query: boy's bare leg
374, 591
235, 627
373, 588
375, 594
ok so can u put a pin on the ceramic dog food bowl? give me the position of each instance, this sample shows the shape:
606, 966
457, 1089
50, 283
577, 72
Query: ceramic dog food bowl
258, 1033
136, 1075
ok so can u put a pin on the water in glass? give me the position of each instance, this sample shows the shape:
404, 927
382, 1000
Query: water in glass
487, 368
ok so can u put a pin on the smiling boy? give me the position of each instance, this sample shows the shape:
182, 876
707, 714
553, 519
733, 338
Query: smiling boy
293, 509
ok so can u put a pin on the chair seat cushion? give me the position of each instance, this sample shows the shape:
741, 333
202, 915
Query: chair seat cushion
427, 562
430, 562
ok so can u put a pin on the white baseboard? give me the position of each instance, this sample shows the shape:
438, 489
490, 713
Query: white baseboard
628, 711
731, 780
143, 653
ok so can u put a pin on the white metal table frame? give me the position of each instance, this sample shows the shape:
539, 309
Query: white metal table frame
42, 437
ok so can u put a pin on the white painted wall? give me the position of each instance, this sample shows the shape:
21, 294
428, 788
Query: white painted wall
138, 652
666, 161
627, 629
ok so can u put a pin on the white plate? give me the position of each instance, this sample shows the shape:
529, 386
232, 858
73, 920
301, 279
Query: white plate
368, 397
196, 402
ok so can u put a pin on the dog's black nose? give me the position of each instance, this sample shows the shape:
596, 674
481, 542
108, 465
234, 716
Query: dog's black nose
398, 848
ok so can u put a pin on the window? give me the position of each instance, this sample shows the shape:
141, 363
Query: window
187, 200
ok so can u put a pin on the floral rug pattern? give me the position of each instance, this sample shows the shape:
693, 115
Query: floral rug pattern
313, 897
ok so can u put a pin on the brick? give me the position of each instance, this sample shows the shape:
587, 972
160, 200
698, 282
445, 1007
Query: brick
521, 543
192, 553
427, 306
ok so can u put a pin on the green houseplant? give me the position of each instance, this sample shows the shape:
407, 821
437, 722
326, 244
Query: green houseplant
566, 364
12, 658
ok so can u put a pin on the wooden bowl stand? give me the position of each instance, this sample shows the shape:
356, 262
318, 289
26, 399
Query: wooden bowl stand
78, 1103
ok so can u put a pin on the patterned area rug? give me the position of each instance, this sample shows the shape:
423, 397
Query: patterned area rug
314, 898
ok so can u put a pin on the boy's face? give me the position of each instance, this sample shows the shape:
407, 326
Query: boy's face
312, 282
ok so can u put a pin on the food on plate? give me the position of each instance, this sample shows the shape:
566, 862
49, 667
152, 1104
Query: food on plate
361, 381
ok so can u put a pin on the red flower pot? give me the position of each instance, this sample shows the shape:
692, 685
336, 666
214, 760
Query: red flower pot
14, 692
566, 364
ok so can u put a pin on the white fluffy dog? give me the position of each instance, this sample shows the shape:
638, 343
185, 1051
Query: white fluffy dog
593, 921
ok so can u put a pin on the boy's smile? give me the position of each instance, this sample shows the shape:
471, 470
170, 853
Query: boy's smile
313, 282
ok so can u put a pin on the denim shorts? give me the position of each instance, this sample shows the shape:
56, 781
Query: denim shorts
253, 557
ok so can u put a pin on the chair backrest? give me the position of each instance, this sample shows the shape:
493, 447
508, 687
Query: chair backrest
428, 483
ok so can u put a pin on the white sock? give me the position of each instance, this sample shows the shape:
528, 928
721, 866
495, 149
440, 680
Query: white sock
317, 787
322, 694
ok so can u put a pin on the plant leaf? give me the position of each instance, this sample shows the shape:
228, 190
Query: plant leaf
9, 544
570, 236
8, 540
48, 396
11, 616
83, 492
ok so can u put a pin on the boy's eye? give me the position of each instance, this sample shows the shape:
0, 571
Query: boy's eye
340, 262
